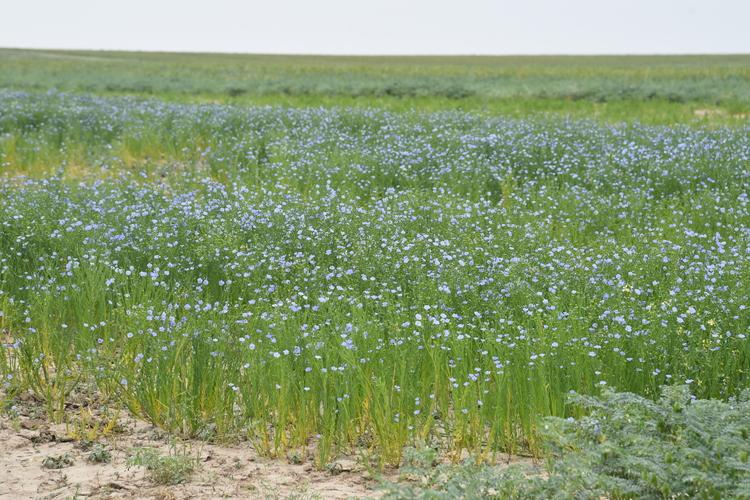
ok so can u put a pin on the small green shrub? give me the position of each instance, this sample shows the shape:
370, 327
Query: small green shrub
99, 455
167, 470
627, 447
57, 461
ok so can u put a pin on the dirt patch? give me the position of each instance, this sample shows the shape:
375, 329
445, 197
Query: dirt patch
41, 461
709, 112
92, 457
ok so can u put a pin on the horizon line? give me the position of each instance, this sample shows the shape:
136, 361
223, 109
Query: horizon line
374, 55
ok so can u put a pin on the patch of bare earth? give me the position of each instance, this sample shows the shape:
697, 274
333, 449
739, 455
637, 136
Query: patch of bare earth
709, 112
42, 460
222, 471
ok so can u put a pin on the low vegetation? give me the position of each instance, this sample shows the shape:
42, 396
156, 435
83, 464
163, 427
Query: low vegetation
57, 461
171, 469
626, 447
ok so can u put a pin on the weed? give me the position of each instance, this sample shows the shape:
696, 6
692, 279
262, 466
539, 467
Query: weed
57, 461
99, 454
171, 469
627, 447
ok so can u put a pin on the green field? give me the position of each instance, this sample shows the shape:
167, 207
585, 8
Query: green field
389, 252
648, 89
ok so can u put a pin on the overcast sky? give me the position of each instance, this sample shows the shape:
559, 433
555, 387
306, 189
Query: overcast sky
382, 26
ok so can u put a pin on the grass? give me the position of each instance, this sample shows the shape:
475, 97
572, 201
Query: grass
368, 271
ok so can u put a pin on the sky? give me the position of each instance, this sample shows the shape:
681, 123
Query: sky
381, 26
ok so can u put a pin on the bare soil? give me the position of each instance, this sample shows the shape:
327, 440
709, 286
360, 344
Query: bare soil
223, 471
32, 448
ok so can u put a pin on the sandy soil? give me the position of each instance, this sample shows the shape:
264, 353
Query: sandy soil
224, 471
30, 444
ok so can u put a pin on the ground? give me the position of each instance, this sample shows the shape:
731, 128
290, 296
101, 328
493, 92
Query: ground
224, 471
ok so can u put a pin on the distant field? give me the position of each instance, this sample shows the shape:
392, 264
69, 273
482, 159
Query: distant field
648, 89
